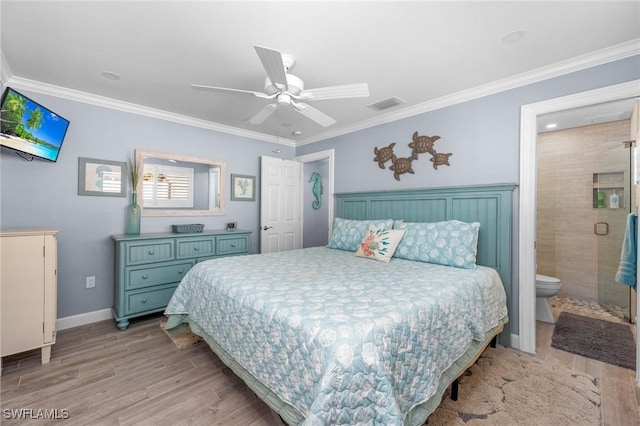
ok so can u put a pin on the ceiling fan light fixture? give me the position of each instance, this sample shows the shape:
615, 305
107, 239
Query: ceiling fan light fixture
295, 85
286, 89
284, 99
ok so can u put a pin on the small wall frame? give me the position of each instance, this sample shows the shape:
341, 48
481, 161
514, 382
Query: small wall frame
243, 188
103, 178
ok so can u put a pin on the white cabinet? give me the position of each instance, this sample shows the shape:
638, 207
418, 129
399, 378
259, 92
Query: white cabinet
28, 291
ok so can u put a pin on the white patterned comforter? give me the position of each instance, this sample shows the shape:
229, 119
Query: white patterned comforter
345, 340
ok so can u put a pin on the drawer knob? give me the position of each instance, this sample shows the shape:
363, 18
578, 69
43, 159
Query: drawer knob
180, 272
150, 252
233, 246
145, 276
196, 248
144, 300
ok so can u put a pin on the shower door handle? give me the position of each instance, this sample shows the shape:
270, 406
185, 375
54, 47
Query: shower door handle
597, 228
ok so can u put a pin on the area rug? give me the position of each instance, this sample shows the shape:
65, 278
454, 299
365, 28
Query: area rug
602, 340
182, 339
508, 387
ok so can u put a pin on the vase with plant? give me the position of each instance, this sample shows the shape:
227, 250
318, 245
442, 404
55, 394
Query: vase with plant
133, 212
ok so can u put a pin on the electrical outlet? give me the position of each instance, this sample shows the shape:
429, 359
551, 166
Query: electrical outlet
91, 282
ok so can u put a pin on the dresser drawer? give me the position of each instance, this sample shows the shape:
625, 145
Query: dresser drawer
148, 251
196, 247
232, 245
145, 276
158, 298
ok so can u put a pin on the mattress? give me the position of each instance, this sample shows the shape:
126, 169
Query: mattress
340, 339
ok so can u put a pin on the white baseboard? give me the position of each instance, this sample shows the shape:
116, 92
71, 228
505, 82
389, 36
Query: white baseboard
515, 341
83, 319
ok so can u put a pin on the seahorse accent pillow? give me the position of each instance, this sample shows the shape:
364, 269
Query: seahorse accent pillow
451, 243
379, 243
347, 234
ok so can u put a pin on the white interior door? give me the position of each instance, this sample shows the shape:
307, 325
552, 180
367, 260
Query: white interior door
280, 222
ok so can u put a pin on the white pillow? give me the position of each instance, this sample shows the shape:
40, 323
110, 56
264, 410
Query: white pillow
379, 243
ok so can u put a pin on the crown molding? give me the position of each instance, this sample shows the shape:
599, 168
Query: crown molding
599, 57
101, 101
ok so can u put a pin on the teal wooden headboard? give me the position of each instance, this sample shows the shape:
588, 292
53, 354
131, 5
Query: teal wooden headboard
490, 205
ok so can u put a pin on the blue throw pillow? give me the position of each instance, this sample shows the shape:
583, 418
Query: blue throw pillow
348, 234
450, 243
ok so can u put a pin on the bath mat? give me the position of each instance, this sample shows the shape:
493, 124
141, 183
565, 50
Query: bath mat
597, 339
184, 338
509, 387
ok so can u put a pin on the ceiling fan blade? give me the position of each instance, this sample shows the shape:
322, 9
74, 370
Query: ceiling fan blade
273, 65
263, 114
318, 116
358, 90
226, 89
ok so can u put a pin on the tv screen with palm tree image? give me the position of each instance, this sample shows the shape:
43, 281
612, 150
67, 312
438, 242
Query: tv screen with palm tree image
29, 128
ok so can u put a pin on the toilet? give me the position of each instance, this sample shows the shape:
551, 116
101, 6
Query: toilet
546, 287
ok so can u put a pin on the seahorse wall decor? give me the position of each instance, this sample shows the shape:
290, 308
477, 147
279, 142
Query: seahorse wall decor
419, 145
316, 189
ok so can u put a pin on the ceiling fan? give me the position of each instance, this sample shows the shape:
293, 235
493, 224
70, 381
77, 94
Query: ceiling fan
287, 89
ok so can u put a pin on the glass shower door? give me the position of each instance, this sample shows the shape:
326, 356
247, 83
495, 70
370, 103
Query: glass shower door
612, 199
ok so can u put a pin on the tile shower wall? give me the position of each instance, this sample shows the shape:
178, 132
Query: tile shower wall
567, 247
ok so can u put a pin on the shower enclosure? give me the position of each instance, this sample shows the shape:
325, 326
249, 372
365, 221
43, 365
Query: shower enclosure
613, 200
579, 232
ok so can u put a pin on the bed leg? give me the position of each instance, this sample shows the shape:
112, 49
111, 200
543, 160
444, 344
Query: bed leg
454, 389
494, 341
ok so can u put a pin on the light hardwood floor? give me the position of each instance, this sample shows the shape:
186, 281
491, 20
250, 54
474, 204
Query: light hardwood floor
620, 397
103, 376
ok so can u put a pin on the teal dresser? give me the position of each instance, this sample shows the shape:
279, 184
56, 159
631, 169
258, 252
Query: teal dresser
148, 267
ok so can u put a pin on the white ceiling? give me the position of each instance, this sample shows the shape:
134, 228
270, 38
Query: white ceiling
421, 52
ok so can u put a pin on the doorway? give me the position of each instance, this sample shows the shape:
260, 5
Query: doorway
325, 162
526, 338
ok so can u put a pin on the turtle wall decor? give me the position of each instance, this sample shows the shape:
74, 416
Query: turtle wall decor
383, 154
419, 145
402, 165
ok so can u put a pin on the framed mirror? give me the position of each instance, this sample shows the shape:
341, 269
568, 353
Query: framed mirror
180, 185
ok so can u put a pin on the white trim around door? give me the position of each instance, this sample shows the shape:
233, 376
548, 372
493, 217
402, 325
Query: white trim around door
329, 155
527, 223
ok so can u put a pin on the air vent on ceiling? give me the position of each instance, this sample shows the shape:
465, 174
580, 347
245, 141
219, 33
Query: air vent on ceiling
387, 103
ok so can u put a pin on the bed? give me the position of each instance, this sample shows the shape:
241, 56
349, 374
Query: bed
327, 337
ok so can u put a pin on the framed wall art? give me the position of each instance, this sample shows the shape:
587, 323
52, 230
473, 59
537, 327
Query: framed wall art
243, 188
102, 177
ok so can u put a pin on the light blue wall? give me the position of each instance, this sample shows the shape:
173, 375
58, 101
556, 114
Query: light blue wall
483, 135
41, 194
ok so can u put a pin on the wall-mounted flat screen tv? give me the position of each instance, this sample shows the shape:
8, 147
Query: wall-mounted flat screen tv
29, 128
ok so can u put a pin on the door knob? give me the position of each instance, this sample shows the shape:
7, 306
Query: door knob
266, 228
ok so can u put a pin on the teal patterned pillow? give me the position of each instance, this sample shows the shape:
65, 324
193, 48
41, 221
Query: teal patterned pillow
451, 243
347, 234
